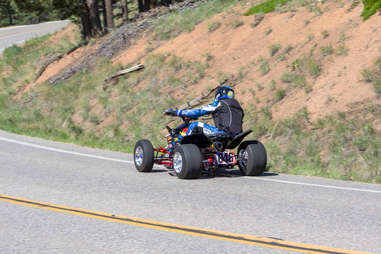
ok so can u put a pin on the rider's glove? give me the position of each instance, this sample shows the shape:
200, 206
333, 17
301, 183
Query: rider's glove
170, 112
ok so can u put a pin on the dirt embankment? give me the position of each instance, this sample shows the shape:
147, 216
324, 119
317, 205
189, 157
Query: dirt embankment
336, 38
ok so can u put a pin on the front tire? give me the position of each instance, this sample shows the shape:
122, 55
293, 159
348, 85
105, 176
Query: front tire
143, 155
187, 161
252, 158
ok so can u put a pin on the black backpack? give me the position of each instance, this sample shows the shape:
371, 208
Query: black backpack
229, 116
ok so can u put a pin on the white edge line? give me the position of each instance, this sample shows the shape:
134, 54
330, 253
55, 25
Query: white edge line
313, 184
131, 162
64, 151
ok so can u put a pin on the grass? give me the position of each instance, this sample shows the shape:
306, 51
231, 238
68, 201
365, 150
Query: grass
307, 65
213, 26
296, 79
326, 50
236, 23
280, 94
340, 147
179, 22
341, 50
325, 34
264, 66
370, 8
373, 76
257, 19
274, 49
265, 7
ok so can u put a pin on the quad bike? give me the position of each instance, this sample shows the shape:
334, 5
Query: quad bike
191, 155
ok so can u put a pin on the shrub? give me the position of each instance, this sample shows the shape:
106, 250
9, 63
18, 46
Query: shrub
280, 94
264, 66
265, 7
370, 8
274, 49
326, 50
367, 75
257, 19
236, 23
213, 26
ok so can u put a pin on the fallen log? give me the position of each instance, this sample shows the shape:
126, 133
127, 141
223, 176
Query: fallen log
46, 64
124, 72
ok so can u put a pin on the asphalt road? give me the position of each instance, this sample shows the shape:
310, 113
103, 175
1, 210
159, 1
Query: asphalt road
313, 211
19, 34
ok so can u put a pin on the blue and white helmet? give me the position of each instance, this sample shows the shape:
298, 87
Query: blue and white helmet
224, 92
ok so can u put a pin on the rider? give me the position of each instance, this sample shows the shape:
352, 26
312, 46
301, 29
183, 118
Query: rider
226, 111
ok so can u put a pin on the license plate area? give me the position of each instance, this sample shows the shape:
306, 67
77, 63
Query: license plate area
225, 158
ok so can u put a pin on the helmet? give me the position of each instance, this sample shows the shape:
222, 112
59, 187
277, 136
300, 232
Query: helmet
224, 92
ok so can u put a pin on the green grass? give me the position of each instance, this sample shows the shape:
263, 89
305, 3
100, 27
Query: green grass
179, 22
265, 7
326, 50
341, 147
264, 66
213, 26
280, 94
236, 23
370, 8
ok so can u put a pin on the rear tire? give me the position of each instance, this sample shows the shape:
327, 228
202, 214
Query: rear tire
187, 161
143, 155
252, 158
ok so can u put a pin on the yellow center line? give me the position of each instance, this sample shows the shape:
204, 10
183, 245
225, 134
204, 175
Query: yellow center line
202, 232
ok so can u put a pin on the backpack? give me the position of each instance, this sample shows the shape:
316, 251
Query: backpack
228, 116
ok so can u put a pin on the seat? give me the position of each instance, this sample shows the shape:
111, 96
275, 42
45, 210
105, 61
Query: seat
233, 143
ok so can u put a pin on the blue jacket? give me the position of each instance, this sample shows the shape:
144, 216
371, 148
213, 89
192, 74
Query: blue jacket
195, 113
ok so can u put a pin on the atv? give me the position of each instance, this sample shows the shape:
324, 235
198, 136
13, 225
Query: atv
191, 155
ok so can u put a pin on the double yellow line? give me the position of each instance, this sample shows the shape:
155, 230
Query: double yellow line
220, 235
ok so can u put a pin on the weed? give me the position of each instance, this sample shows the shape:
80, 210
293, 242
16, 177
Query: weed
208, 57
314, 68
280, 94
257, 19
341, 50
213, 26
288, 49
342, 37
326, 50
377, 87
325, 34
269, 31
297, 79
272, 85
354, 4
307, 64
242, 72
259, 87
236, 23
274, 49
264, 66
368, 76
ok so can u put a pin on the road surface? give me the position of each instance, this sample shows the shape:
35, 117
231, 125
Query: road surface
62, 198
19, 34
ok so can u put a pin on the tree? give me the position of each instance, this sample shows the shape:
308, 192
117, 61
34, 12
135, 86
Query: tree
109, 14
96, 27
125, 10
6, 11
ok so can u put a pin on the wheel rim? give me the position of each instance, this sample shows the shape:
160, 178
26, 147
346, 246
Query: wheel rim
139, 156
243, 158
177, 163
